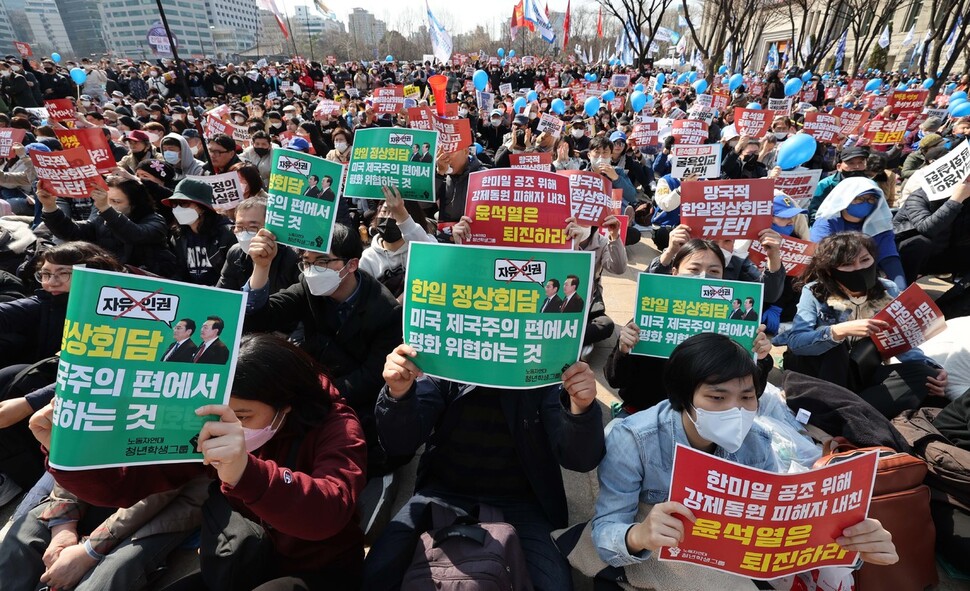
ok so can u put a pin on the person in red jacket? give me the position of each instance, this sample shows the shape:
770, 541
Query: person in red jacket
289, 457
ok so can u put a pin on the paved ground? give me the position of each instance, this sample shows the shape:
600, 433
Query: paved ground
581, 489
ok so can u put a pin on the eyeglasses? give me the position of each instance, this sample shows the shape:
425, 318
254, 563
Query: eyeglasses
319, 264
866, 198
250, 228
46, 276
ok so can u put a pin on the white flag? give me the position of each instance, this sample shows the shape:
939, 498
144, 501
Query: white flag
909, 37
441, 45
884, 39
537, 17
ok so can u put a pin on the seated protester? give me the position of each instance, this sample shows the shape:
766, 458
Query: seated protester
451, 182
914, 183
578, 140
853, 162
917, 158
958, 132
251, 182
222, 154
781, 129
289, 458
176, 152
350, 321
31, 329
829, 338
788, 220
666, 216
742, 162
526, 434
661, 162
877, 169
600, 161
630, 160
564, 158
694, 258
140, 149
953, 521
250, 218
858, 205
713, 388
933, 236
342, 141
17, 178
203, 236
259, 154
67, 544
520, 140
609, 253
126, 225
396, 225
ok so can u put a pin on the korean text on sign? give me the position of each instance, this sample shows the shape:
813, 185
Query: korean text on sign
392, 157
913, 318
727, 209
703, 161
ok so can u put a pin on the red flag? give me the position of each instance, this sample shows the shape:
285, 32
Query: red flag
599, 24
565, 26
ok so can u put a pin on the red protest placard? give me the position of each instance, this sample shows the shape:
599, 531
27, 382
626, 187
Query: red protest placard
822, 127
644, 134
590, 196
60, 110
799, 184
624, 226
8, 137
832, 92
453, 134
327, 107
913, 318
420, 118
532, 161
851, 120
720, 99
731, 209
94, 141
23, 49
906, 103
66, 173
752, 122
762, 525
795, 255
518, 208
857, 84
689, 132
389, 99
885, 132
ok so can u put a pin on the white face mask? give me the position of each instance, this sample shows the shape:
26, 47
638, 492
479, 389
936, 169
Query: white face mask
533, 115
594, 162
172, 157
726, 428
245, 239
727, 256
578, 133
85, 103
584, 233
322, 282
257, 438
780, 135
496, 122
463, 112
185, 216
340, 146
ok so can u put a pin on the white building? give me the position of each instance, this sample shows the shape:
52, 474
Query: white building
306, 21
365, 30
235, 22
47, 28
7, 36
126, 24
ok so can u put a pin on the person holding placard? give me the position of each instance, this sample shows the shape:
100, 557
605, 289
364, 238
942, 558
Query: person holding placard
829, 338
250, 219
397, 223
933, 236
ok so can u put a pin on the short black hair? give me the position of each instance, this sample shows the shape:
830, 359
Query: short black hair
574, 280
707, 358
189, 324
600, 143
259, 135
223, 141
695, 245
217, 323
346, 242
555, 283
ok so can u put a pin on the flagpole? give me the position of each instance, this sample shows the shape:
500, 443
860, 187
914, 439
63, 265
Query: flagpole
306, 19
289, 26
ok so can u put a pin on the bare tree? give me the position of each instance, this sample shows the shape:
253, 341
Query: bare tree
947, 18
726, 21
639, 21
817, 25
868, 22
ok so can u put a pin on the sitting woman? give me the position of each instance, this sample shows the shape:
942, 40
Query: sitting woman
203, 237
289, 457
829, 338
628, 373
713, 388
396, 225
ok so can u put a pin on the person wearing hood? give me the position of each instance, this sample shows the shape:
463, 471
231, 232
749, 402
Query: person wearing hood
858, 205
259, 154
177, 153
396, 225
853, 162
140, 146
250, 219
203, 237
933, 236
17, 178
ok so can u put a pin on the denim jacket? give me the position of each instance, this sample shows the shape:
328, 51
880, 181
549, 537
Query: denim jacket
637, 468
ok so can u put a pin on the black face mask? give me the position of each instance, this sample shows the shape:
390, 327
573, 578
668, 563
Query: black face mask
261, 151
848, 174
858, 281
388, 229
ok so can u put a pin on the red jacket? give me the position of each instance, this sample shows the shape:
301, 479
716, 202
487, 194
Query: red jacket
311, 510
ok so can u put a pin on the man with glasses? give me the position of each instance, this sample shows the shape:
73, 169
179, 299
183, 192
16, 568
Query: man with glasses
222, 154
283, 271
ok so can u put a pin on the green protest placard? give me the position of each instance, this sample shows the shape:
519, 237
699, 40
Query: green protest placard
138, 356
396, 157
670, 309
302, 205
500, 317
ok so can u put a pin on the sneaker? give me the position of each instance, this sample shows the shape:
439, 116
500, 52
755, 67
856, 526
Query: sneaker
9, 490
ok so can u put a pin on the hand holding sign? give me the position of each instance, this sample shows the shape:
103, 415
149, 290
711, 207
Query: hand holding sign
399, 371
771, 241
223, 443
580, 383
41, 424
871, 540
462, 231
629, 337
662, 527
48, 201
100, 198
858, 328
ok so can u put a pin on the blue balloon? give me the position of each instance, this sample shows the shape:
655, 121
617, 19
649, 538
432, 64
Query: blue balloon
873, 84
518, 104
755, 106
638, 101
951, 87
722, 70
661, 78
796, 150
511, 53
682, 78
608, 96
532, 96
962, 110
902, 86
826, 76
558, 106
593, 77
78, 76
56, 57
502, 63
389, 58
478, 148
591, 106
501, 52
700, 86
792, 87
960, 94
586, 76
735, 81
691, 76
638, 87
807, 76
480, 79
954, 104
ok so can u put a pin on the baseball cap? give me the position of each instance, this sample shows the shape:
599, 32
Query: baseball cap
617, 136
300, 144
137, 135
853, 152
190, 134
521, 120
784, 206
497, 112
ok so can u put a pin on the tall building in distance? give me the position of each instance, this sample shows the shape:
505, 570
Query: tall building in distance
365, 30
309, 22
126, 24
48, 31
6, 30
85, 31
235, 24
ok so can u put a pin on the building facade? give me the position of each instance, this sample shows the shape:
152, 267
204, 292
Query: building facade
85, 30
47, 28
365, 30
126, 25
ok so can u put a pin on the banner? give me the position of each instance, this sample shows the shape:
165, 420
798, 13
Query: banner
669, 309
851, 120
731, 209
940, 178
703, 161
780, 106
518, 208
908, 103
762, 525
799, 184
822, 127
913, 319
720, 99
227, 191
689, 132
94, 141
8, 137
489, 317
327, 107
590, 196
302, 205
795, 255
388, 100
453, 134
550, 124
60, 110
158, 39
392, 157
420, 118
505, 89
66, 173
126, 394
532, 161
620, 80
23, 49
884, 132
644, 134
752, 122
